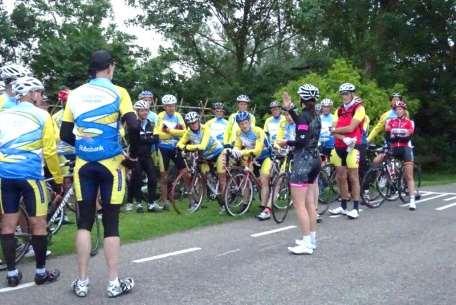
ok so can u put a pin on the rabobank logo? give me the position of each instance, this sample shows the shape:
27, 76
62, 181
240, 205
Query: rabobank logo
91, 149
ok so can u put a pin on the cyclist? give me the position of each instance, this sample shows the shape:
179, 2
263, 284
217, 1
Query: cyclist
251, 142
145, 162
91, 122
272, 123
348, 123
399, 131
9, 73
306, 165
27, 140
148, 96
232, 127
390, 114
169, 128
198, 137
287, 130
217, 125
326, 138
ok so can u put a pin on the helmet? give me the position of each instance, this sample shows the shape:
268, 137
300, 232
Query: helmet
400, 104
242, 116
192, 117
396, 94
11, 71
317, 107
274, 104
218, 105
347, 87
169, 99
141, 104
326, 102
307, 92
62, 95
144, 94
243, 98
2, 86
24, 85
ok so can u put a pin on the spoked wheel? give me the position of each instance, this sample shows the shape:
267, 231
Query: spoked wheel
180, 190
281, 198
327, 193
22, 235
374, 180
404, 193
238, 194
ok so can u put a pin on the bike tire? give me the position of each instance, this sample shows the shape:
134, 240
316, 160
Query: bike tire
326, 195
95, 235
404, 193
179, 194
281, 198
370, 188
238, 189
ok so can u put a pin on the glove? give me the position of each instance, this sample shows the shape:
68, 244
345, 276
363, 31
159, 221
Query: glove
179, 126
236, 153
347, 141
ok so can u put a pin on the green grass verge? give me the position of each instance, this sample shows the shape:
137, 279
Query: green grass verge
437, 178
136, 227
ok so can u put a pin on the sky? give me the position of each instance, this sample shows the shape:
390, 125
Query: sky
122, 13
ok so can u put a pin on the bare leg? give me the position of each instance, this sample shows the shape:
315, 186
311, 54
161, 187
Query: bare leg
111, 246
83, 246
299, 195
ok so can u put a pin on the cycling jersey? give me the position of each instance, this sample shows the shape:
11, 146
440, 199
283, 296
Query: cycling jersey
175, 124
152, 117
201, 140
287, 131
7, 101
344, 116
63, 148
27, 136
252, 142
217, 126
380, 126
96, 108
232, 128
146, 139
366, 123
399, 132
326, 139
271, 127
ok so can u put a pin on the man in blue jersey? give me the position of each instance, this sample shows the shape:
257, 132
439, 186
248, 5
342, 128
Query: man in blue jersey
326, 139
9, 73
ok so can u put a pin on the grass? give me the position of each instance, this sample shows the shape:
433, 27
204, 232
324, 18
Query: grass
437, 178
137, 227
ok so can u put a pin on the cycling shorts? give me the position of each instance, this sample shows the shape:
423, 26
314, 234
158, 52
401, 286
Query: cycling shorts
219, 164
106, 176
340, 157
176, 157
404, 153
265, 166
306, 167
33, 193
158, 160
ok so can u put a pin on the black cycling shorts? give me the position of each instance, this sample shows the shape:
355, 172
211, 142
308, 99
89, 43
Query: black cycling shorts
306, 167
33, 193
403, 153
173, 155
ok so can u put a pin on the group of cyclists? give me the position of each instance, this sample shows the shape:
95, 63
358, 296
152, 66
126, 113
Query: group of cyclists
98, 115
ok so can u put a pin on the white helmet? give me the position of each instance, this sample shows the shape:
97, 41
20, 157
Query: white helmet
191, 117
141, 104
169, 99
24, 85
243, 98
2, 86
308, 92
11, 71
326, 102
347, 87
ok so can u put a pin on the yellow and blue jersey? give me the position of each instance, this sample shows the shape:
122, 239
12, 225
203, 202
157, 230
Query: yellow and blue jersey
27, 139
287, 131
63, 148
252, 142
201, 140
229, 137
168, 140
6, 101
96, 108
217, 126
271, 127
326, 138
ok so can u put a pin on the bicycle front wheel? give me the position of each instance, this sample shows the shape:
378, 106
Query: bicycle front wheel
238, 194
281, 198
374, 180
404, 194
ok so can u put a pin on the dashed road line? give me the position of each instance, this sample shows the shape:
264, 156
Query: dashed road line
272, 231
156, 257
25, 285
449, 199
427, 199
446, 206
228, 252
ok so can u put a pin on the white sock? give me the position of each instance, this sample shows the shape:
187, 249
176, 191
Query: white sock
14, 272
412, 199
40, 271
114, 282
84, 281
313, 237
307, 240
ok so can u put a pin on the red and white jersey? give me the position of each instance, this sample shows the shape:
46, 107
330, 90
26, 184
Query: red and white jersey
399, 131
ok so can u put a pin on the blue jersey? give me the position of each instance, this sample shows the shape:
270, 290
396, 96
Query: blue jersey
326, 139
7, 102
217, 126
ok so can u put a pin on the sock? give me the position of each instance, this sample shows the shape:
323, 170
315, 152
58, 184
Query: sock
9, 250
412, 199
343, 204
356, 205
39, 244
14, 272
114, 282
313, 237
84, 281
307, 240
40, 271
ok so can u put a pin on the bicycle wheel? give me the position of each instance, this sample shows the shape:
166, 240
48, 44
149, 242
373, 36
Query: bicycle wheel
326, 193
404, 193
281, 198
23, 237
196, 193
238, 194
179, 194
370, 188
95, 239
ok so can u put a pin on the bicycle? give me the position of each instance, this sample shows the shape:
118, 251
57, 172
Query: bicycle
281, 196
387, 182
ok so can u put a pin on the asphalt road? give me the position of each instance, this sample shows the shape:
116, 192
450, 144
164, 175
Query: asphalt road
389, 255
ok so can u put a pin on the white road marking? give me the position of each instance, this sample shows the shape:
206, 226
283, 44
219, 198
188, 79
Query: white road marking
451, 198
425, 193
152, 258
25, 285
423, 200
272, 231
446, 206
228, 252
